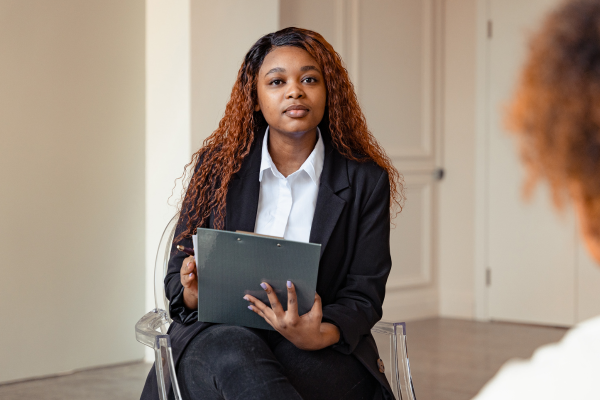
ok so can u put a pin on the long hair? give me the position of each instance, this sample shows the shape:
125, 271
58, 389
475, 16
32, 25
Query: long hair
224, 150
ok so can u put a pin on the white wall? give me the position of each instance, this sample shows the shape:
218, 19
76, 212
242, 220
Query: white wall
303, 15
167, 121
456, 225
72, 179
222, 33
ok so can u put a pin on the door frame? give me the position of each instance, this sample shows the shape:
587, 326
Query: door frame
482, 130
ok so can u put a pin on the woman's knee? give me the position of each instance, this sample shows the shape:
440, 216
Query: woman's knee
224, 346
225, 359
325, 373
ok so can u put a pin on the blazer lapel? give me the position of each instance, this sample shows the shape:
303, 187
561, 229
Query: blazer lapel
243, 191
334, 178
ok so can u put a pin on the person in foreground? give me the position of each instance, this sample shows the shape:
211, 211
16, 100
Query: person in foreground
292, 157
556, 114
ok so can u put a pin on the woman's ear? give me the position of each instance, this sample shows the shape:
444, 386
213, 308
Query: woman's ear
256, 107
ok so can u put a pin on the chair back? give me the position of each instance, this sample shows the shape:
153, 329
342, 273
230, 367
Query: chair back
151, 329
161, 265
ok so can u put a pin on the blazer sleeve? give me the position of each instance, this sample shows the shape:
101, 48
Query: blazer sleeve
358, 304
173, 287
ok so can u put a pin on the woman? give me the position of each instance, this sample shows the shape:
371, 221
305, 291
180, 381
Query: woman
292, 157
556, 114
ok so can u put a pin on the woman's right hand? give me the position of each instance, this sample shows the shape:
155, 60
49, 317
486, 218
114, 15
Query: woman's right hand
189, 280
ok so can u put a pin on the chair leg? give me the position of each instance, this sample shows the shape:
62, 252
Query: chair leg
165, 368
404, 378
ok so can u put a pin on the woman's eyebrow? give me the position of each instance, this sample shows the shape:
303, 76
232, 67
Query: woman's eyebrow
276, 69
309, 68
302, 69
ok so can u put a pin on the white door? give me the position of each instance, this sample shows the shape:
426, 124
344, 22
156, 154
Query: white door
391, 49
537, 272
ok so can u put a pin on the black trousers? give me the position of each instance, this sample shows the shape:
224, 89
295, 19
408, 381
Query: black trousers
232, 362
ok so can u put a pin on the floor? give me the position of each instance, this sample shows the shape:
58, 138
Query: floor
122, 382
451, 359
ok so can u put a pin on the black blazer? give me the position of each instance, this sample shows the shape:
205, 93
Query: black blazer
352, 224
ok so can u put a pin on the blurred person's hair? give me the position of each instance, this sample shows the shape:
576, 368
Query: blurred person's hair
556, 110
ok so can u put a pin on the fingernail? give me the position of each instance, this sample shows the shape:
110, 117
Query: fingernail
246, 298
249, 307
189, 262
264, 286
190, 275
289, 284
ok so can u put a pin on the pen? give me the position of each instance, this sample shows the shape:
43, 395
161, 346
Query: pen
186, 250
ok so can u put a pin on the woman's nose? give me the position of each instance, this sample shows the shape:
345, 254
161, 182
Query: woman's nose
295, 91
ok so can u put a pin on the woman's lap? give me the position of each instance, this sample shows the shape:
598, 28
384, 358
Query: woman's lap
221, 362
235, 362
325, 373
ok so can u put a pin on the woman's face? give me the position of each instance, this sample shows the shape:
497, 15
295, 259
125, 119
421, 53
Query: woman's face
291, 91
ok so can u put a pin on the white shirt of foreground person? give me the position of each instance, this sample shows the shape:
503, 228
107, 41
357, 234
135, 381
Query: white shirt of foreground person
569, 369
286, 205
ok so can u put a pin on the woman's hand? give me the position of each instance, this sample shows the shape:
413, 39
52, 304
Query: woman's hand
306, 332
189, 280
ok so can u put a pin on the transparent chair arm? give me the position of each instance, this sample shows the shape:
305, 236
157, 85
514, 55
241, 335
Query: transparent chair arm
146, 332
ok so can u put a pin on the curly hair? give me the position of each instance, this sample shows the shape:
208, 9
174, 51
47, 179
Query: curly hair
556, 110
224, 150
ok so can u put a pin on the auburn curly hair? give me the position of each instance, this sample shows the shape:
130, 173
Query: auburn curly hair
224, 150
556, 110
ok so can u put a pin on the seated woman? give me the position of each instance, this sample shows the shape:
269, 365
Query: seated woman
556, 114
292, 157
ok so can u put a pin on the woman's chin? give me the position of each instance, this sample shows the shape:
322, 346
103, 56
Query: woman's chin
295, 130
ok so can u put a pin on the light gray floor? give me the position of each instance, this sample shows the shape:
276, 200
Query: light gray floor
123, 382
450, 359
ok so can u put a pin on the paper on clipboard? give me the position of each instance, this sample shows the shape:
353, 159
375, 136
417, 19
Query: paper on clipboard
195, 242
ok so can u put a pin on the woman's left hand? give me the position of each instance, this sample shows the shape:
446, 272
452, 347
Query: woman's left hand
306, 332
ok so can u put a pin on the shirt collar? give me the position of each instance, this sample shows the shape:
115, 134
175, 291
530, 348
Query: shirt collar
313, 165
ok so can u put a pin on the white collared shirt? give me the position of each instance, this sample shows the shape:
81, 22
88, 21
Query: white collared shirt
286, 205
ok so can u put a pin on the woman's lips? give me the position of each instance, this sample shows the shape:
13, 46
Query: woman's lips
296, 111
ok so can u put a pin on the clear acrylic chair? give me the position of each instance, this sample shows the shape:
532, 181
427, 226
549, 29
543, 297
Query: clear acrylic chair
151, 330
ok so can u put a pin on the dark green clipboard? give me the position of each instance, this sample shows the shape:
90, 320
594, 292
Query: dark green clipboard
232, 264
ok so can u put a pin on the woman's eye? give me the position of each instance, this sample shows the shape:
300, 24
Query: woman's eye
310, 80
276, 82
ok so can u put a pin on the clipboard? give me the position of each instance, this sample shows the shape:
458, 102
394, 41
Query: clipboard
233, 264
